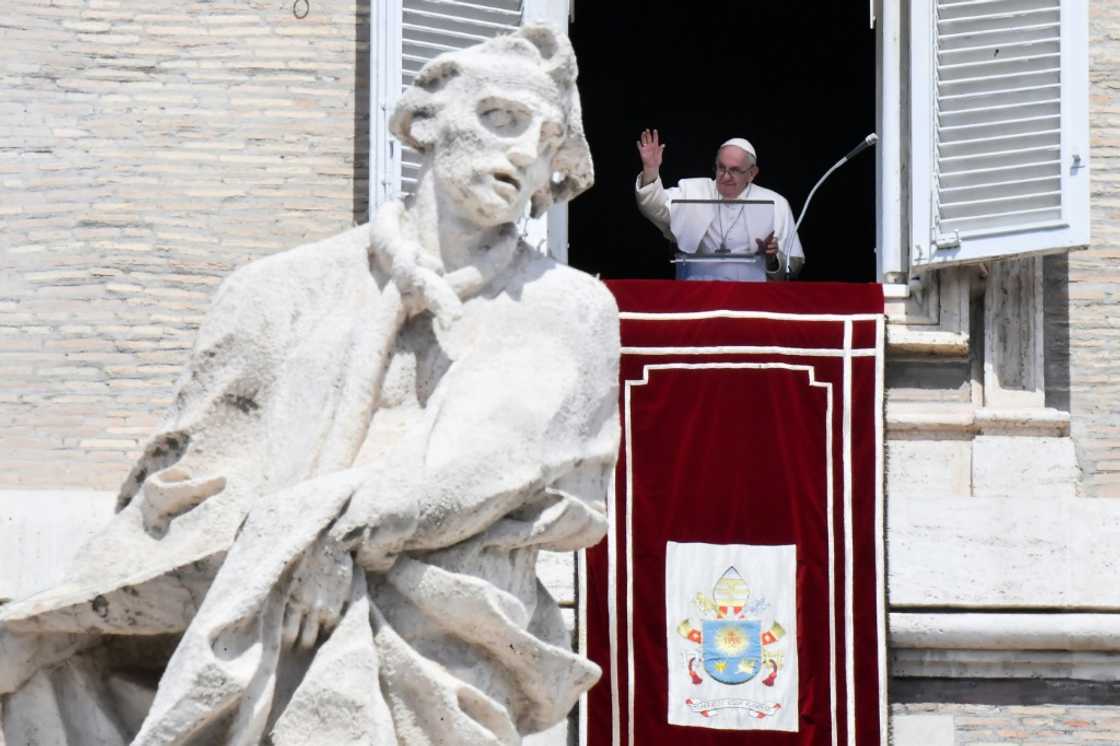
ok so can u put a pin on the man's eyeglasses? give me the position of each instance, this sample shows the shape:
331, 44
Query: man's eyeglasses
738, 173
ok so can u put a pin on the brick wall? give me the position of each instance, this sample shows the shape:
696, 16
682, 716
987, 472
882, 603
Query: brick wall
1094, 275
1010, 725
145, 151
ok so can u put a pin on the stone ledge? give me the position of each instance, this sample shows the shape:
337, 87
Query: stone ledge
930, 418
972, 631
896, 291
1084, 647
1052, 421
1003, 665
938, 343
967, 419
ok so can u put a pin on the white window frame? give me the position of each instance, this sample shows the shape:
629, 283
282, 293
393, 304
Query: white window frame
890, 254
1071, 231
385, 88
549, 231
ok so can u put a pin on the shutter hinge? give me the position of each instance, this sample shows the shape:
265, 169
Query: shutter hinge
950, 241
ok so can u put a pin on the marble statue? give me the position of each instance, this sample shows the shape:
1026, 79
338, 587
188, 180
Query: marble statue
333, 537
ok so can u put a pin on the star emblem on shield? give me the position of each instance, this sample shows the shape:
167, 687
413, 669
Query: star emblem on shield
732, 649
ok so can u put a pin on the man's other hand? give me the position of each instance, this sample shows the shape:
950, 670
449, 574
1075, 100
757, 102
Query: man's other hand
650, 149
768, 245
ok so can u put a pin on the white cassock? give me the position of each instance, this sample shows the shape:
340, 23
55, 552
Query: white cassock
701, 229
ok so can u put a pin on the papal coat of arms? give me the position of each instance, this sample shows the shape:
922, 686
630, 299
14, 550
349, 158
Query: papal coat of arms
733, 646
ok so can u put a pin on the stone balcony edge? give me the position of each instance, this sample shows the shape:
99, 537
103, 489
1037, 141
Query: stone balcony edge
1080, 632
979, 420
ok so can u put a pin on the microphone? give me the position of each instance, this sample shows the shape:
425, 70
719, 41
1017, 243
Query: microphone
867, 143
864, 145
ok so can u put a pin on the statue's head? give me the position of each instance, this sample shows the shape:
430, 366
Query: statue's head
499, 124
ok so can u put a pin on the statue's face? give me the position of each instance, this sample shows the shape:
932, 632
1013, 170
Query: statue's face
497, 138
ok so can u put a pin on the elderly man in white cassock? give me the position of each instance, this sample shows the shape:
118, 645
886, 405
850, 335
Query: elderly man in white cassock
759, 240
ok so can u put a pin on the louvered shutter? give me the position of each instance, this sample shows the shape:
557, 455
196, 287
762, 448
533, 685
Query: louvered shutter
431, 27
999, 128
405, 34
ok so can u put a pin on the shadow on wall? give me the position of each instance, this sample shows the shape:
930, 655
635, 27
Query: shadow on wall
1055, 291
1004, 692
361, 112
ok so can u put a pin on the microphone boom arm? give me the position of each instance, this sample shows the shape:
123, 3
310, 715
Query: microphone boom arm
867, 143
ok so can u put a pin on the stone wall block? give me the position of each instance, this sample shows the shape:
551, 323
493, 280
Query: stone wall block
1023, 466
1003, 553
924, 466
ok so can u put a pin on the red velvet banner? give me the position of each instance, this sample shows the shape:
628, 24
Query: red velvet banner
740, 597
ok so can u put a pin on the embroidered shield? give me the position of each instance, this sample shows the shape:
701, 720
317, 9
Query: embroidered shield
732, 649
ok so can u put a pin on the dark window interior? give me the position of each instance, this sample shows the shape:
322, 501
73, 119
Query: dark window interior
797, 79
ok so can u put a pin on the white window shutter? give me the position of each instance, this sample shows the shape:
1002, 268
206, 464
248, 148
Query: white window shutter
406, 34
384, 89
999, 129
431, 27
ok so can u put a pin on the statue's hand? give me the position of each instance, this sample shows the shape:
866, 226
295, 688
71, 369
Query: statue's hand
418, 275
171, 492
376, 526
423, 289
318, 594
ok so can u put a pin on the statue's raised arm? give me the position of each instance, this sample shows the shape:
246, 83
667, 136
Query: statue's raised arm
333, 539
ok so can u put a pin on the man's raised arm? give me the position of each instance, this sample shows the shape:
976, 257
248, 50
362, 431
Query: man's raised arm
653, 199
650, 149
